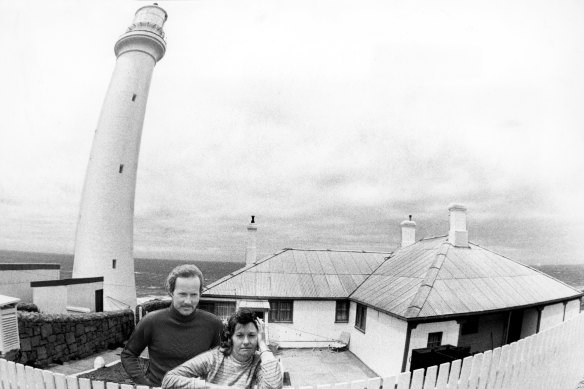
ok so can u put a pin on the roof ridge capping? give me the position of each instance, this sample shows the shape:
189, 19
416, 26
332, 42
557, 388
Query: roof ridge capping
427, 284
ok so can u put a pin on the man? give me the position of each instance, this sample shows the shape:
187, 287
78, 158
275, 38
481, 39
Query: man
173, 335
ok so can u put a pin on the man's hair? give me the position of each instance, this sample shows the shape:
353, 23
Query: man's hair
183, 271
242, 316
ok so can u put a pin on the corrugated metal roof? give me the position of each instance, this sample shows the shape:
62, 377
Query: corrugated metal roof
295, 273
450, 280
427, 279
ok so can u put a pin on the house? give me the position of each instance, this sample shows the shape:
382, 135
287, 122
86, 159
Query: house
437, 291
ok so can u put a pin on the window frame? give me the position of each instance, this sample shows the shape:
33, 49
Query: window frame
361, 317
279, 308
432, 344
342, 306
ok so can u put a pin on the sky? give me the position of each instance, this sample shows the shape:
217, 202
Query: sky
331, 121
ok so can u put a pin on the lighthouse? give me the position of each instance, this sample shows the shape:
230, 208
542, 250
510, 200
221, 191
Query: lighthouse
105, 228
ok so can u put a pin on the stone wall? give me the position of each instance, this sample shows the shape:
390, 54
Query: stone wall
46, 339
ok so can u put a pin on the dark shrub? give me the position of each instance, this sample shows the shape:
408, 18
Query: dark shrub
151, 306
27, 307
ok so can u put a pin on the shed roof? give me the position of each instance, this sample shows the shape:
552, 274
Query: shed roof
297, 273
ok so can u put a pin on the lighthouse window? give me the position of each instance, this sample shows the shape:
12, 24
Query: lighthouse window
134, 97
114, 263
121, 168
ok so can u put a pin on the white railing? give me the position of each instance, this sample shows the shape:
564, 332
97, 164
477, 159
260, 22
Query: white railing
551, 359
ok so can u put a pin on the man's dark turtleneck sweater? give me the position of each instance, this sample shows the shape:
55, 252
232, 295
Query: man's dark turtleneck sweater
171, 338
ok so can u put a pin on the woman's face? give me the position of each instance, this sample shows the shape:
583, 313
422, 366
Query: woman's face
245, 341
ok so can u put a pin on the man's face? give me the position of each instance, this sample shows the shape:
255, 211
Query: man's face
185, 297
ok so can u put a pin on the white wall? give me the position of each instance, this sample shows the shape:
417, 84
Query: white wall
419, 336
83, 295
572, 309
490, 334
551, 315
51, 299
382, 345
529, 325
16, 283
313, 325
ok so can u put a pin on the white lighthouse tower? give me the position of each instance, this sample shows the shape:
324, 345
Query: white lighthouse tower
105, 229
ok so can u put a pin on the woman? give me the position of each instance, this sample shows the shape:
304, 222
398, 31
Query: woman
242, 361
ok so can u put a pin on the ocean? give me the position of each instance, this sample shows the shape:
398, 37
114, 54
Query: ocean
151, 273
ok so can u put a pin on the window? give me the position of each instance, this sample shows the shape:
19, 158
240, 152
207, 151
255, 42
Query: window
281, 311
342, 311
114, 263
121, 168
134, 97
361, 317
469, 326
434, 339
221, 309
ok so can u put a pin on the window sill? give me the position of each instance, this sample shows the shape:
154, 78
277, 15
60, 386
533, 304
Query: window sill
359, 329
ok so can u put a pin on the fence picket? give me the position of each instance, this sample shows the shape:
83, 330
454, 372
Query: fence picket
84, 383
60, 381
403, 380
373, 383
495, 358
39, 381
126, 386
20, 378
97, 384
430, 380
29, 377
4, 383
443, 372
72, 382
112, 385
511, 362
503, 362
477, 363
11, 370
389, 382
454, 374
465, 373
417, 379
485, 368
49, 379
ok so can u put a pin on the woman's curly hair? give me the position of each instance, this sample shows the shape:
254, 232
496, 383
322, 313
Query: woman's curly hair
242, 316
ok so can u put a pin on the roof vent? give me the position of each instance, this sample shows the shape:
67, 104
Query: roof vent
408, 232
457, 235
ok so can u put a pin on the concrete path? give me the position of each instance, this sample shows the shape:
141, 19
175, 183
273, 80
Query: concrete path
321, 366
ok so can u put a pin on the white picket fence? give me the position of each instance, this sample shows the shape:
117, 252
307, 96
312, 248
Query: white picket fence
552, 359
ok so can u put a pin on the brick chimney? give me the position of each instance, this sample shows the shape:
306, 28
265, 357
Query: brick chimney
457, 235
408, 232
251, 250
